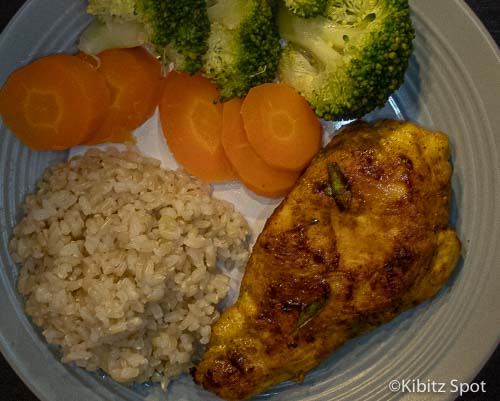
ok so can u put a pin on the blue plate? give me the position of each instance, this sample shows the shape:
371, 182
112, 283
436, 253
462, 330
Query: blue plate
452, 85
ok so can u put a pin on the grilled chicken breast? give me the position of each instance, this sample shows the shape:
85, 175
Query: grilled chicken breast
362, 237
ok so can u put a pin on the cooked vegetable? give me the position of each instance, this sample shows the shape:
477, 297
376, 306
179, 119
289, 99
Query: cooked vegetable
243, 47
112, 33
178, 30
191, 118
281, 126
135, 92
91, 60
55, 102
348, 60
338, 187
257, 175
306, 8
310, 311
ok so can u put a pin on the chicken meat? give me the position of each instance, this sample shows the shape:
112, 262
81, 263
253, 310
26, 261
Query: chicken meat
362, 237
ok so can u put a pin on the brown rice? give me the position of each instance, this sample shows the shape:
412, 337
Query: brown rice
119, 263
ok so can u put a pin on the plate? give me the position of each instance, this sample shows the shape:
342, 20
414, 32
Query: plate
452, 85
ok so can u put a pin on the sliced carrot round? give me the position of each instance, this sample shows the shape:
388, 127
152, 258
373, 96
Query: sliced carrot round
134, 78
252, 170
281, 126
55, 102
191, 119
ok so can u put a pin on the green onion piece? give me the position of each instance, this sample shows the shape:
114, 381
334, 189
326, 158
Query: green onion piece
338, 188
309, 312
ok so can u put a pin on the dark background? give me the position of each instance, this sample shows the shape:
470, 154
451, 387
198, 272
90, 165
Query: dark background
13, 389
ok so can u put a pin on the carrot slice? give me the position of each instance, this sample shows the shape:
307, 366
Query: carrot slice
281, 126
256, 174
134, 78
55, 102
191, 118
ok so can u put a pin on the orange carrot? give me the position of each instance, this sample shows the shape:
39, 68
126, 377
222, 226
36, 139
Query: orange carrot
55, 102
281, 126
257, 175
134, 78
191, 118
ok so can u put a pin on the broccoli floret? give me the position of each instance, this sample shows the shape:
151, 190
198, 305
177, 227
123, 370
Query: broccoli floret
177, 30
243, 46
117, 8
306, 8
348, 60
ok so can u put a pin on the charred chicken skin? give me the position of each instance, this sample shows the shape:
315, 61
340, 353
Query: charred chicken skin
362, 237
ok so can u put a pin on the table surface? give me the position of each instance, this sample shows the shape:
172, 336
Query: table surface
488, 11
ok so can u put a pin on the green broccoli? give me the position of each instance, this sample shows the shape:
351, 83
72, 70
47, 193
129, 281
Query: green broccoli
306, 8
178, 30
243, 46
348, 60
